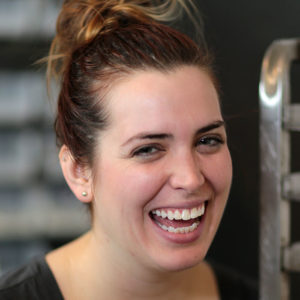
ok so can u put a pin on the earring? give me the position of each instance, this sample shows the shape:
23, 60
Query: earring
84, 194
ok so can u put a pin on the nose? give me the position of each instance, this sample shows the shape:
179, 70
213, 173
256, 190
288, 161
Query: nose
186, 173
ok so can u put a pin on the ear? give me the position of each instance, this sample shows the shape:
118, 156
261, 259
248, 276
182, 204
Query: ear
78, 178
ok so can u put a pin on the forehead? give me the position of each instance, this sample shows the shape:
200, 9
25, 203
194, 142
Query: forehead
150, 99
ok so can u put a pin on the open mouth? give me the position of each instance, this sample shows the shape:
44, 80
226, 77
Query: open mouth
179, 221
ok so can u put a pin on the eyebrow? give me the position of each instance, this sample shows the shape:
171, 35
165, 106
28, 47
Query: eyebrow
160, 136
211, 126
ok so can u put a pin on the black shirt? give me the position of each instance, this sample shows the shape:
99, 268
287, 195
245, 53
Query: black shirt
234, 286
35, 281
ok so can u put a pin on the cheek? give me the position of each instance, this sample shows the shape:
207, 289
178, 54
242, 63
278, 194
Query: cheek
128, 185
220, 172
142, 184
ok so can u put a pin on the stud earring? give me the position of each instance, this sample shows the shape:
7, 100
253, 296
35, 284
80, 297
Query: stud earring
84, 194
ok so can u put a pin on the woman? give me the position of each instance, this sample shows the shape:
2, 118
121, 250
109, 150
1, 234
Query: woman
143, 143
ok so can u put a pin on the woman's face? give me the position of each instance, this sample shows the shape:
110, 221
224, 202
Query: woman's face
163, 169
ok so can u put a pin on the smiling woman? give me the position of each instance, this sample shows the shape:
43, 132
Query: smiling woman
143, 142
165, 151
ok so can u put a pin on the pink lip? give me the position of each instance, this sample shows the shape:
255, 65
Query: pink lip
181, 238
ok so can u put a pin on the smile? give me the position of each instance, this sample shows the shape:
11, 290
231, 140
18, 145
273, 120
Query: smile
180, 214
178, 221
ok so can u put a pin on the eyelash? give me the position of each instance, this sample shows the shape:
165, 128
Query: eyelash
209, 144
144, 151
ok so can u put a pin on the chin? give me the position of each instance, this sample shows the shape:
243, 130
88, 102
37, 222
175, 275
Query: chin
181, 259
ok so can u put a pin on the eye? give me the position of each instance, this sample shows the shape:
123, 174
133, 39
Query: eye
209, 144
148, 151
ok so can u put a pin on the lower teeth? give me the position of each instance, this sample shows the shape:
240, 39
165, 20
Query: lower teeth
179, 229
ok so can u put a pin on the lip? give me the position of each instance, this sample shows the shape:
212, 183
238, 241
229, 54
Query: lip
181, 238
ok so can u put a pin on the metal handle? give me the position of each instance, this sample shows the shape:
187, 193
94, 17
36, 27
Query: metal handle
276, 117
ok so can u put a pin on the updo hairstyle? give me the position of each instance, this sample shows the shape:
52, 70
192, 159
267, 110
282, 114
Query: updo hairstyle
100, 41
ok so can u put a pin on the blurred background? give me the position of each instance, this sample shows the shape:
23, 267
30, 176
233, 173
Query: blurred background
37, 211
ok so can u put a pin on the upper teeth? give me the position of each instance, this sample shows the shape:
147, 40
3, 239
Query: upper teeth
182, 214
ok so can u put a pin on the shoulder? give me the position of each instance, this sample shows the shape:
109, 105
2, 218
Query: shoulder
32, 281
233, 285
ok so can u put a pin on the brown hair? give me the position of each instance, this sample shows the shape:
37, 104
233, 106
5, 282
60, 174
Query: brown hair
98, 41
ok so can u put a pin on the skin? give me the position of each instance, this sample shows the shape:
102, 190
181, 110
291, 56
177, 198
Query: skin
165, 148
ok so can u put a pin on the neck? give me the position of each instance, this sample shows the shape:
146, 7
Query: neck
108, 273
127, 278
89, 269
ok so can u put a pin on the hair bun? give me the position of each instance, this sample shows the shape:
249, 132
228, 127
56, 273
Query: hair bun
80, 21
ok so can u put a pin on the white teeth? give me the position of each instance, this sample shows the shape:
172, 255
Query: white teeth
171, 229
185, 214
164, 227
179, 229
163, 214
170, 215
177, 215
194, 213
